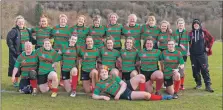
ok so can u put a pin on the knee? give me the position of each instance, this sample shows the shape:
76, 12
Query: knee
32, 75
142, 77
177, 76
114, 72
147, 96
73, 72
54, 75
44, 89
159, 75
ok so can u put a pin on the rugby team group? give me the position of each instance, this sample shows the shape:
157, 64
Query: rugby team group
108, 68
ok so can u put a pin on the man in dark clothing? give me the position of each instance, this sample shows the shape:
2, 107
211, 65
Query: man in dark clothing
201, 42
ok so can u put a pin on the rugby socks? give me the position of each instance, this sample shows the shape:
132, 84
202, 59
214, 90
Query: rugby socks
16, 79
159, 83
74, 82
33, 83
155, 97
55, 90
182, 81
92, 88
176, 86
142, 86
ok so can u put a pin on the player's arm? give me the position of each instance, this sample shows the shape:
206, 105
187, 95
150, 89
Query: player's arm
119, 62
122, 89
100, 97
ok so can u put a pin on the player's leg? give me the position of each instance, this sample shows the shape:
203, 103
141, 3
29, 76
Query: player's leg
33, 81
74, 79
169, 85
94, 78
53, 76
43, 84
138, 80
176, 78
133, 73
114, 71
86, 81
158, 77
66, 77
136, 95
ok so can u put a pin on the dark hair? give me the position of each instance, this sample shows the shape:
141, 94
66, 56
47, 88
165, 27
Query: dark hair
147, 39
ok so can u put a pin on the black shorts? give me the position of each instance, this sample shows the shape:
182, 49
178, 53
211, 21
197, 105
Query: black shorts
42, 79
126, 94
126, 76
129, 85
147, 74
185, 58
85, 75
65, 75
161, 49
168, 82
118, 48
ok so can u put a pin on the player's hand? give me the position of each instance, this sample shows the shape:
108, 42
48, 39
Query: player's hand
13, 79
182, 46
106, 98
175, 71
207, 49
188, 53
117, 96
59, 52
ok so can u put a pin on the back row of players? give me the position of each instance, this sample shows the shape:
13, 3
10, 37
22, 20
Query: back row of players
98, 45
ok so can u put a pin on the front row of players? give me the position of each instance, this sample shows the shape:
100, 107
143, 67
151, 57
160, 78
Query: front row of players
139, 68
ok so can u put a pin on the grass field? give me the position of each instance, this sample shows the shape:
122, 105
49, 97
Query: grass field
190, 99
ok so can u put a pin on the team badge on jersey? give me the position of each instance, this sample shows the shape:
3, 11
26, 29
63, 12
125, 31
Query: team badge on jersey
57, 31
93, 32
43, 55
161, 37
106, 53
75, 31
144, 55
167, 58
85, 55
106, 84
129, 32
125, 54
68, 51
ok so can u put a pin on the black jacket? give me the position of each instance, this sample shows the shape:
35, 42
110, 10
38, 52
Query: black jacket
14, 39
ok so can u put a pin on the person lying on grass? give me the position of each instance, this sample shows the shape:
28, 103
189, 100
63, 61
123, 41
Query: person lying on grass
118, 89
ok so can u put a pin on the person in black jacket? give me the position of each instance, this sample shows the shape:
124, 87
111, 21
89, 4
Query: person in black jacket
200, 48
16, 38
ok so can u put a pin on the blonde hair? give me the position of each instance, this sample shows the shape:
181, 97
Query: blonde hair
110, 14
82, 16
62, 15
168, 24
134, 15
19, 17
180, 19
27, 42
149, 18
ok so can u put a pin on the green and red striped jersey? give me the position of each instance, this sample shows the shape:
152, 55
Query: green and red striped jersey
182, 38
26, 63
149, 59
41, 33
115, 31
46, 60
61, 36
89, 57
135, 32
171, 60
98, 33
109, 57
110, 86
129, 58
